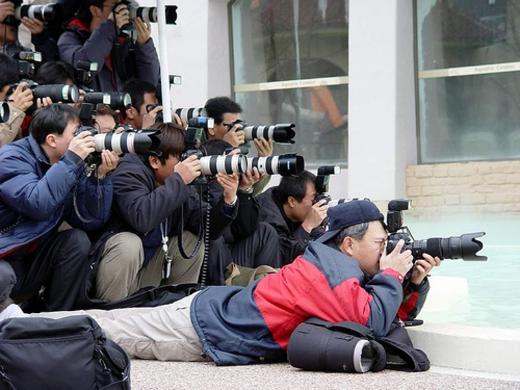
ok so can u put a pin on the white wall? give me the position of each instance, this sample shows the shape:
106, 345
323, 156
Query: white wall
382, 130
187, 51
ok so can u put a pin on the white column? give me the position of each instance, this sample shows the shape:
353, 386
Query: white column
382, 127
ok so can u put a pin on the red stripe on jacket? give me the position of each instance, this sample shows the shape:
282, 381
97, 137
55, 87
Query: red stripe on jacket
302, 291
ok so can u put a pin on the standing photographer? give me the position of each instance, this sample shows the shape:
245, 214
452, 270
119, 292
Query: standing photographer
40, 38
95, 36
42, 184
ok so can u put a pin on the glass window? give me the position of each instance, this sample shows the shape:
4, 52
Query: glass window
469, 68
290, 66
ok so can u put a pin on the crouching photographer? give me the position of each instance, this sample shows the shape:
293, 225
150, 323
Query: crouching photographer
154, 205
42, 184
290, 209
246, 242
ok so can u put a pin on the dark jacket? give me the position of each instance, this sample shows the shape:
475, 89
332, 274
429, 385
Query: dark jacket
35, 197
253, 324
140, 207
246, 221
43, 43
107, 49
293, 238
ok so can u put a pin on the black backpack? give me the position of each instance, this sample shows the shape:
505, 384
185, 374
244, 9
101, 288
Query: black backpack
66, 353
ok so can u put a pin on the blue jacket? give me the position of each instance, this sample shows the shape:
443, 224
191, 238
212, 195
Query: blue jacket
78, 44
250, 325
35, 197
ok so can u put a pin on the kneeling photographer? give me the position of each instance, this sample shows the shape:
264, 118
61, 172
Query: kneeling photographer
246, 242
42, 184
153, 205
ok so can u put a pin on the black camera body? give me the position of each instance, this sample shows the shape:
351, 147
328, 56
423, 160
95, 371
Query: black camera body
463, 247
84, 72
322, 182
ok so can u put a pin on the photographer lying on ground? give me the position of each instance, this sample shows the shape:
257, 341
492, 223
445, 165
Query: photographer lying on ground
345, 276
153, 204
95, 36
39, 177
289, 208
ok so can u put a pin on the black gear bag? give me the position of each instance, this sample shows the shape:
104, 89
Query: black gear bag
60, 354
350, 347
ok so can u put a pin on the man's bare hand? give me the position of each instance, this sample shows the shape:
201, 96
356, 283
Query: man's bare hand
249, 178
6, 9
264, 147
230, 185
188, 169
144, 32
315, 216
35, 26
397, 260
150, 117
22, 97
423, 267
235, 137
109, 162
83, 144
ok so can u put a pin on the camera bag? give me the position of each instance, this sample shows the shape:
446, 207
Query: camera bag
67, 353
351, 347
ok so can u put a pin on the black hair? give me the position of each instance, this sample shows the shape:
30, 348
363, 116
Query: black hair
295, 186
216, 108
8, 70
55, 72
52, 120
215, 147
136, 88
172, 141
83, 12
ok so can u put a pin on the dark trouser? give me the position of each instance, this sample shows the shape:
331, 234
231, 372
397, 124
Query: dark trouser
260, 248
60, 264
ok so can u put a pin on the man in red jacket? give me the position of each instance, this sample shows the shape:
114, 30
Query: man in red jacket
345, 276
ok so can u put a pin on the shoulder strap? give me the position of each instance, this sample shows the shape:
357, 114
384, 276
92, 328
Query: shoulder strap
349, 327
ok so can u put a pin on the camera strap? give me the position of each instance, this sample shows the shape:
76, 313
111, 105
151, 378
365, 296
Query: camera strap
167, 265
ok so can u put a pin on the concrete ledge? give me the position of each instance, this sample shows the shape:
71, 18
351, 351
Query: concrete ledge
470, 348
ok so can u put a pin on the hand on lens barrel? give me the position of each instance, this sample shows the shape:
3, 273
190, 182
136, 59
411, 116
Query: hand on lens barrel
35, 26
249, 178
43, 102
315, 216
120, 15
109, 161
230, 185
397, 260
22, 97
6, 9
422, 268
235, 137
143, 31
188, 169
83, 144
264, 147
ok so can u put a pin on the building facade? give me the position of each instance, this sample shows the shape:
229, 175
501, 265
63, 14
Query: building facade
413, 98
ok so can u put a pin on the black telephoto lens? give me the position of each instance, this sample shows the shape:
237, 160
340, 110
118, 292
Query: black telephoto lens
463, 247
57, 92
116, 100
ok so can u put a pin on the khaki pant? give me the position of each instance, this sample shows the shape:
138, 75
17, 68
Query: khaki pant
162, 333
121, 270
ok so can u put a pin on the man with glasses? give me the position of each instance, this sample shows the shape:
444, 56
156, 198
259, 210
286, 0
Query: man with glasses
344, 276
